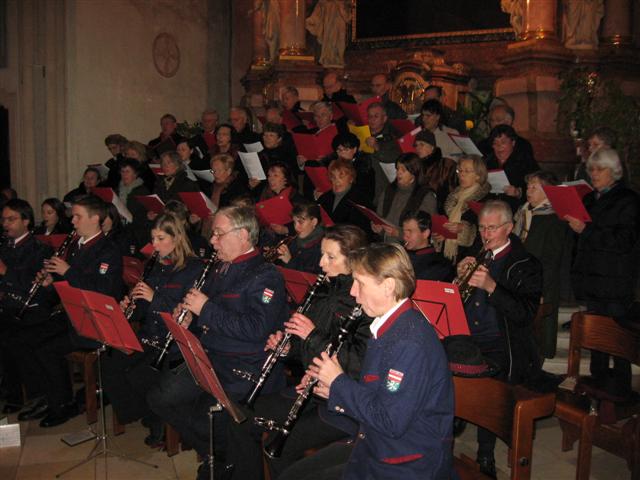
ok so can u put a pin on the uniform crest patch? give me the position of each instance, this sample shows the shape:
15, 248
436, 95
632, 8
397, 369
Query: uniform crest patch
267, 295
103, 268
394, 379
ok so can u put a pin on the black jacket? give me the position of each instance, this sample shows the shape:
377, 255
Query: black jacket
431, 265
516, 168
181, 184
605, 267
345, 212
516, 300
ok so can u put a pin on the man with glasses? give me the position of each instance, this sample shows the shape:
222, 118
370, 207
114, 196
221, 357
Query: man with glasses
501, 310
242, 302
21, 257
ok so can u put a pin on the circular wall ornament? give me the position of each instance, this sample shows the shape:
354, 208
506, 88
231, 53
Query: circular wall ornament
166, 55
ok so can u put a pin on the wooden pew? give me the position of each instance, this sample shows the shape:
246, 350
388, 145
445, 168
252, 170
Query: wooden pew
580, 414
506, 410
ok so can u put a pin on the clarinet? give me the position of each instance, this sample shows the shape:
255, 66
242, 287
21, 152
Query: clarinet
274, 448
37, 284
197, 285
271, 360
128, 312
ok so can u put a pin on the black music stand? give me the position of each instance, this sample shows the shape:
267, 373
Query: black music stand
99, 317
441, 305
204, 375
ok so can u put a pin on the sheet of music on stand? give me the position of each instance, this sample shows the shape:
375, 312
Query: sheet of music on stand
9, 433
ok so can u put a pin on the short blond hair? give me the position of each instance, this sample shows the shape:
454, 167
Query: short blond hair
386, 260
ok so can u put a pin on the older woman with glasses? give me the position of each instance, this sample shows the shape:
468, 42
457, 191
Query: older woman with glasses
473, 187
604, 271
546, 237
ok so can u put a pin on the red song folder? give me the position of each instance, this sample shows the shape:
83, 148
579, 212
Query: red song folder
403, 126
109, 196
198, 203
327, 221
371, 215
98, 317
132, 270
297, 283
147, 250
357, 112
476, 207
315, 146
406, 141
566, 200
437, 226
53, 241
200, 366
319, 177
441, 305
152, 203
276, 210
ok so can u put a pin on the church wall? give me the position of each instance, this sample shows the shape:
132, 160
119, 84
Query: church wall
113, 85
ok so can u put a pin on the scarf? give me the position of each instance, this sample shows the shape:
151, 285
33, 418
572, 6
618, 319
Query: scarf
125, 190
455, 205
219, 188
525, 215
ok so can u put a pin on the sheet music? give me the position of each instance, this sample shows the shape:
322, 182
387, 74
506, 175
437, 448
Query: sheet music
253, 147
205, 175
389, 170
498, 180
253, 167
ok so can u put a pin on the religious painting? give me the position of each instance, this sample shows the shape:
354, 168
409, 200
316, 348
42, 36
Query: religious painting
428, 22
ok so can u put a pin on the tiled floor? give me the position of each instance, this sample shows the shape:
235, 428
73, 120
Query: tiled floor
43, 455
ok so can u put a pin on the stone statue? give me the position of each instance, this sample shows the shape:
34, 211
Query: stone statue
270, 10
328, 23
580, 22
515, 9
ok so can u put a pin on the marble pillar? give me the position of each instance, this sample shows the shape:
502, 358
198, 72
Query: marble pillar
292, 28
616, 25
539, 19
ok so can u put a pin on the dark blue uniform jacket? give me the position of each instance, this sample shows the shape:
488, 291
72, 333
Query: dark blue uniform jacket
247, 302
403, 402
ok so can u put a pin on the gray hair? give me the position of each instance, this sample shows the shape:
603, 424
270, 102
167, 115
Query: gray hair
174, 158
210, 111
321, 104
606, 158
498, 206
243, 218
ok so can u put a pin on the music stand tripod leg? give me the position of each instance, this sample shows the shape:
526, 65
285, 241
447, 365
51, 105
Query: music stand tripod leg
102, 439
216, 407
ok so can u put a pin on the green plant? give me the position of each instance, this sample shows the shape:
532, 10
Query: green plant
587, 100
189, 130
476, 111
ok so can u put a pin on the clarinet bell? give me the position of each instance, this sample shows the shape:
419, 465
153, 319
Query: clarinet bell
274, 448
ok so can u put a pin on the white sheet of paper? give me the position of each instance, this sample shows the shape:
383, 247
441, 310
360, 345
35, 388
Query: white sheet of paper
465, 144
498, 180
205, 175
251, 163
122, 209
212, 208
253, 147
10, 435
389, 170
190, 174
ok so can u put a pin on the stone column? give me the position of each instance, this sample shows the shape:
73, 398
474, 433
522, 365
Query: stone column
616, 25
292, 29
260, 50
539, 20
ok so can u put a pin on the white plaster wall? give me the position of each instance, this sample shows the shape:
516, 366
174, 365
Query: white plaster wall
112, 83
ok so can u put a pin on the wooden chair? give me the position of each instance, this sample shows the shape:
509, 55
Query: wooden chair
581, 414
171, 436
86, 361
506, 410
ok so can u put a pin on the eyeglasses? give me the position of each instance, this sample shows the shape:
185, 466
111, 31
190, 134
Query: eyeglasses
222, 234
10, 219
459, 171
491, 228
